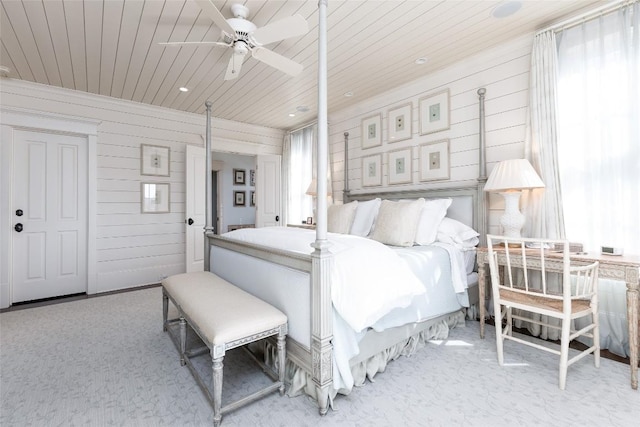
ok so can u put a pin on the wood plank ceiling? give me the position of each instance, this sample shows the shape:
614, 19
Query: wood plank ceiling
110, 47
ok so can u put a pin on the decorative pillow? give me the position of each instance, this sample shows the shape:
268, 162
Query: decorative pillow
340, 217
457, 234
366, 213
397, 222
430, 218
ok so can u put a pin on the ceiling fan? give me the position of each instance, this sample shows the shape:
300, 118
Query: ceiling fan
243, 36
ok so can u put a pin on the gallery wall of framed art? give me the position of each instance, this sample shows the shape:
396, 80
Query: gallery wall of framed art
395, 150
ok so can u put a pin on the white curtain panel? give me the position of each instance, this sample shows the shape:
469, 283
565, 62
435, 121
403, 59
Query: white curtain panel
286, 173
300, 174
599, 130
544, 207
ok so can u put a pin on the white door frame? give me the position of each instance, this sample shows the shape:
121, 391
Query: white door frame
12, 119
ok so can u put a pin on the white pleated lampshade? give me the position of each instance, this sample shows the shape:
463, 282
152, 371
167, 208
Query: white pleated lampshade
514, 174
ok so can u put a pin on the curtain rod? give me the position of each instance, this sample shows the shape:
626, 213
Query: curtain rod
306, 125
576, 20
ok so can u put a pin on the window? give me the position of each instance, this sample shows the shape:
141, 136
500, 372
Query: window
599, 130
300, 174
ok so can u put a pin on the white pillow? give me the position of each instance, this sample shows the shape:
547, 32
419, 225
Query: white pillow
432, 214
397, 222
366, 213
340, 217
457, 234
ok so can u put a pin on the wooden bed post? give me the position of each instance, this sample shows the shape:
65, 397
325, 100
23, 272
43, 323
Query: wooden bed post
208, 228
321, 312
482, 214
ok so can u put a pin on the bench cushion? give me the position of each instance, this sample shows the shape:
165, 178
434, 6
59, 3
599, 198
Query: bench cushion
222, 311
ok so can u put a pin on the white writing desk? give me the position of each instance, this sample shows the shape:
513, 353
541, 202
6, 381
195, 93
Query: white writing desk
624, 268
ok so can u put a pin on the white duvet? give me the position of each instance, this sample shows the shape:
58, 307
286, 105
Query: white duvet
368, 279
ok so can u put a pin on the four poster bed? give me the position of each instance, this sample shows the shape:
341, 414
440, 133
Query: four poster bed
343, 327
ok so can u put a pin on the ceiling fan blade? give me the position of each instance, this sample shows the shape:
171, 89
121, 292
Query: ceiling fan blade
292, 26
218, 18
194, 43
276, 60
234, 66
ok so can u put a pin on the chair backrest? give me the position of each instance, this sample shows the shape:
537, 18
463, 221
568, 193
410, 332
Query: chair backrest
526, 264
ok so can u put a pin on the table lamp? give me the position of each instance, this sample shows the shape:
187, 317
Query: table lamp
509, 178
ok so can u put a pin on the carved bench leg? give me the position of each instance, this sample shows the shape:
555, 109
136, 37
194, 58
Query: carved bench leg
217, 389
282, 355
183, 340
165, 310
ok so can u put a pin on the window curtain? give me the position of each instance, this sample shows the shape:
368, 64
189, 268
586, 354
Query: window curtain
544, 207
300, 174
599, 147
599, 97
300, 168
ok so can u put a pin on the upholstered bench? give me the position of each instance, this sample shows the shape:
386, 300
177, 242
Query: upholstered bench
224, 317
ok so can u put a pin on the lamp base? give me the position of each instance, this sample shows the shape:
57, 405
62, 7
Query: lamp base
512, 220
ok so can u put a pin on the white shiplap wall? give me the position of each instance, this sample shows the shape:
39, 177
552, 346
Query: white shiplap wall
134, 249
503, 71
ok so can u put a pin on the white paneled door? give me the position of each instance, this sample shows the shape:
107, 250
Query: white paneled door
268, 204
195, 207
49, 215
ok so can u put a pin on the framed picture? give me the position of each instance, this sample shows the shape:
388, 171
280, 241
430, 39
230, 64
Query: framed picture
239, 176
155, 197
399, 123
238, 198
371, 131
253, 197
434, 161
400, 166
434, 113
372, 170
252, 178
154, 160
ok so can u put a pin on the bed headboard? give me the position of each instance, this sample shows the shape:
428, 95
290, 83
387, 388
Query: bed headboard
464, 206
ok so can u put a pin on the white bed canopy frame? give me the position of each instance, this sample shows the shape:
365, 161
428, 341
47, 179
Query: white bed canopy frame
317, 361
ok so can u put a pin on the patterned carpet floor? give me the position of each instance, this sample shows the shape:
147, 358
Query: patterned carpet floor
105, 361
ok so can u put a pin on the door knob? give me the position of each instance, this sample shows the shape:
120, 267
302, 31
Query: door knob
277, 218
19, 212
18, 227
190, 221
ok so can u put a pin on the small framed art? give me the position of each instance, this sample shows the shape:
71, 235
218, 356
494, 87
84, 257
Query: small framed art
238, 198
154, 160
155, 197
252, 178
239, 176
253, 198
434, 161
371, 131
372, 170
399, 123
434, 113
400, 166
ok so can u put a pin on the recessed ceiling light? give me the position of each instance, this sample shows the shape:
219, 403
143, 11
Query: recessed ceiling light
184, 89
348, 94
421, 61
292, 114
302, 108
506, 9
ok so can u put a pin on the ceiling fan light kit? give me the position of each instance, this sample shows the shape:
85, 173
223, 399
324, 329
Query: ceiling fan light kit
243, 36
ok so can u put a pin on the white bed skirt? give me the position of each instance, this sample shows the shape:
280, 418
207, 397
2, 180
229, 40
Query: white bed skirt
300, 382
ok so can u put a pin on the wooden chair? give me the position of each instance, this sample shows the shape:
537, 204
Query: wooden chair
519, 280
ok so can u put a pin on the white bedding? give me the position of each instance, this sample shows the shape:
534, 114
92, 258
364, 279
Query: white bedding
367, 278
356, 286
